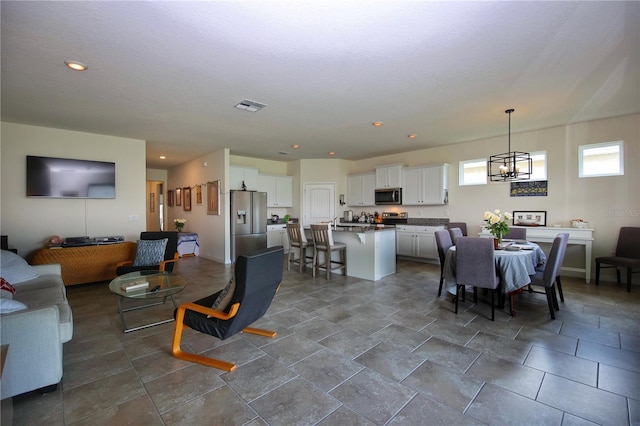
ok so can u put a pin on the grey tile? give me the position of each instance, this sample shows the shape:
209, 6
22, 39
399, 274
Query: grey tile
364, 323
593, 334
411, 319
514, 377
157, 364
423, 410
634, 412
615, 357
571, 420
630, 342
349, 343
583, 401
498, 328
447, 354
495, 405
391, 361
345, 416
563, 365
290, 317
400, 336
451, 332
271, 373
619, 381
501, 347
295, 402
138, 411
442, 384
83, 350
292, 349
549, 340
373, 396
220, 406
316, 329
93, 369
326, 369
239, 351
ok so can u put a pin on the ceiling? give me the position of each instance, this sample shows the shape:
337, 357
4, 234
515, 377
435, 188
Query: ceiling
171, 73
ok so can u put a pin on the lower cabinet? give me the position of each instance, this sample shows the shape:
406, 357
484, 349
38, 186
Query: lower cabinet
277, 236
417, 241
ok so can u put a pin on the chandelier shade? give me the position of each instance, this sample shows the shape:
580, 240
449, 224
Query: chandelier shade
510, 165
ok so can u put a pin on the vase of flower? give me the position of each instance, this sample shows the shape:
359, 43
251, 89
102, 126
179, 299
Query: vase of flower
498, 225
179, 224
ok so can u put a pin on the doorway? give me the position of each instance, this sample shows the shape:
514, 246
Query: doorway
319, 203
155, 205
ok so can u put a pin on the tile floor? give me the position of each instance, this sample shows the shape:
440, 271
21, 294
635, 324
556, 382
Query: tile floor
353, 352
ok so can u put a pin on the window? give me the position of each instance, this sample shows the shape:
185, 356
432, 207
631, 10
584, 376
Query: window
538, 165
601, 159
473, 172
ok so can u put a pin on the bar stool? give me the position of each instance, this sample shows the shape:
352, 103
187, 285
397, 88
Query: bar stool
323, 242
297, 240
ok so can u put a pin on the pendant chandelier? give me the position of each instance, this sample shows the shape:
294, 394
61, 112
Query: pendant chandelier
510, 165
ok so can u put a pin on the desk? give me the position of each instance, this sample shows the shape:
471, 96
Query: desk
188, 244
514, 267
577, 236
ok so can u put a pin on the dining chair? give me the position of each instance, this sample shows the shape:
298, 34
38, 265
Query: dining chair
443, 242
298, 240
461, 225
475, 266
627, 255
516, 234
455, 233
323, 243
547, 277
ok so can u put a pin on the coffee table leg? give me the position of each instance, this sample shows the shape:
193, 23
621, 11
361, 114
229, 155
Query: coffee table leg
121, 312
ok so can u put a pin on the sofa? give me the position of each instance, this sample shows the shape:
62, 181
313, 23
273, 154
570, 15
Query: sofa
35, 321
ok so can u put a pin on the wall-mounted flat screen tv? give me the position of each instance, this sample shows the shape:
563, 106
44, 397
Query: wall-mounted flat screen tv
69, 178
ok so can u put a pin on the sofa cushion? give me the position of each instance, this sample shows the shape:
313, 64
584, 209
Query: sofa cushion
14, 268
223, 299
9, 305
150, 252
40, 282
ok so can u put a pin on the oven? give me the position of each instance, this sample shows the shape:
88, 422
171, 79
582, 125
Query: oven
394, 218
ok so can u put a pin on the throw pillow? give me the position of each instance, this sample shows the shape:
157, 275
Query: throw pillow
4, 285
14, 268
150, 252
10, 305
222, 301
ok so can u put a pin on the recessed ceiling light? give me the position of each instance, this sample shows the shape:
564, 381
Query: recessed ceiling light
412, 136
332, 153
162, 157
76, 66
250, 106
377, 124
295, 146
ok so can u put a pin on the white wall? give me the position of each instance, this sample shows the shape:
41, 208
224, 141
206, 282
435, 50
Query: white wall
30, 221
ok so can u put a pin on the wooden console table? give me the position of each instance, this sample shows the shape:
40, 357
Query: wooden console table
86, 264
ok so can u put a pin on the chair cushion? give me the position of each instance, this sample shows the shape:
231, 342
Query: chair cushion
150, 252
15, 269
222, 301
619, 261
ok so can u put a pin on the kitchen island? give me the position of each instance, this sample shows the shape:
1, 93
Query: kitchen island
371, 250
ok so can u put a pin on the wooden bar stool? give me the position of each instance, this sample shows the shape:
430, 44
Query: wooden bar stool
323, 242
297, 240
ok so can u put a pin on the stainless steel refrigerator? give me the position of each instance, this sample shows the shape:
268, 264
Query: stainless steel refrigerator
248, 222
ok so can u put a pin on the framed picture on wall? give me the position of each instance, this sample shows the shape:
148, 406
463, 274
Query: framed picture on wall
199, 195
170, 198
178, 197
530, 218
152, 202
187, 198
213, 197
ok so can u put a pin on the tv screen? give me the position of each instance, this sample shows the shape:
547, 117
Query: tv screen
69, 178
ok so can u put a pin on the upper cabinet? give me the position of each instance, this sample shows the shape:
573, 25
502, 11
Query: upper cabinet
279, 190
389, 176
239, 175
425, 185
361, 189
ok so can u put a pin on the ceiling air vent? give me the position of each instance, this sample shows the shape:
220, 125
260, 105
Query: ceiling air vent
250, 106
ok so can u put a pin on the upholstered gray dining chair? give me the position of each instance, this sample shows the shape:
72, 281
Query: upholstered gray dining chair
461, 225
516, 234
627, 255
455, 233
443, 242
547, 277
475, 266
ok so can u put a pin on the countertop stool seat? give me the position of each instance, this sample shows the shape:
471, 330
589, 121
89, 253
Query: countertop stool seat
323, 242
298, 240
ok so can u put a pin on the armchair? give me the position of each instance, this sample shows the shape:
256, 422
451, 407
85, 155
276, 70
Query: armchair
162, 263
244, 301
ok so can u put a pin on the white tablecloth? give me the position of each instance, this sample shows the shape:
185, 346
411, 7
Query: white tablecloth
188, 243
514, 267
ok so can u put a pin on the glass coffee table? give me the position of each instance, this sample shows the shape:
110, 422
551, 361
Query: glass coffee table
146, 285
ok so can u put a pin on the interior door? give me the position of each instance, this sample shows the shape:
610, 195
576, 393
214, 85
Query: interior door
319, 203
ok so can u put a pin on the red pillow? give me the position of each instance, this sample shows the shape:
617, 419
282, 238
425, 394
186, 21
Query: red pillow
4, 285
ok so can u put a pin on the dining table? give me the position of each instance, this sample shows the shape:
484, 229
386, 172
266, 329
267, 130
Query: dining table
515, 263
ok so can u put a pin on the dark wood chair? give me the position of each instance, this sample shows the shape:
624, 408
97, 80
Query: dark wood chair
257, 278
627, 255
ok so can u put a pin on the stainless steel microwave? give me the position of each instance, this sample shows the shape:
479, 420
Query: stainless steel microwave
388, 196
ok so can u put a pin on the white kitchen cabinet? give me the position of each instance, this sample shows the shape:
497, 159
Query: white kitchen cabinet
279, 190
361, 189
389, 176
277, 236
425, 185
240, 174
417, 241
